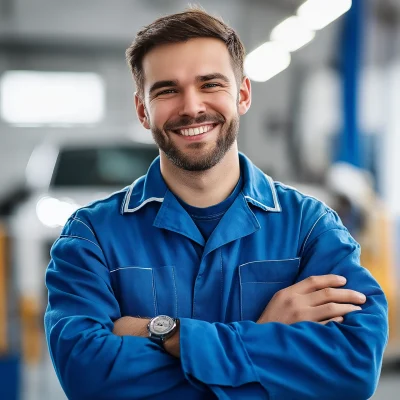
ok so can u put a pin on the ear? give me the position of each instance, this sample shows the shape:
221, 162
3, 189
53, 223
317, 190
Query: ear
141, 111
244, 96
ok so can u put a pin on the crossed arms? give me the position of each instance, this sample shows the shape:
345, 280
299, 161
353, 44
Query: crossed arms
315, 299
295, 354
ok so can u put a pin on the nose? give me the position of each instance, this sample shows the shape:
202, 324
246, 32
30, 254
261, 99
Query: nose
192, 104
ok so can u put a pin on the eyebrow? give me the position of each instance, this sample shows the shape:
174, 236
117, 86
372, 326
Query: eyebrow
210, 77
162, 84
200, 78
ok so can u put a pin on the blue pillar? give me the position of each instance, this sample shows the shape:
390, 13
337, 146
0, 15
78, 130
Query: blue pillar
351, 47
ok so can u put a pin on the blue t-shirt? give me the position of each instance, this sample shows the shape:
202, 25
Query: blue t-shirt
207, 218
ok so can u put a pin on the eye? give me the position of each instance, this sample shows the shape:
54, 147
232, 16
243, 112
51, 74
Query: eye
211, 85
166, 91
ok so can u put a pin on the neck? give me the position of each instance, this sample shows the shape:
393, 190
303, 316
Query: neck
204, 188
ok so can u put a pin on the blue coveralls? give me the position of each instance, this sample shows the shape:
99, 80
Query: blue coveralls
134, 254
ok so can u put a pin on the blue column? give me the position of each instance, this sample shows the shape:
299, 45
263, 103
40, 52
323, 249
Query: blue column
351, 47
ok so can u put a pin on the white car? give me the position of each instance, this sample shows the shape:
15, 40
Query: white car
62, 177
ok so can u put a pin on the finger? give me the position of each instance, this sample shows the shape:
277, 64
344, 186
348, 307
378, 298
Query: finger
313, 283
334, 295
331, 310
336, 319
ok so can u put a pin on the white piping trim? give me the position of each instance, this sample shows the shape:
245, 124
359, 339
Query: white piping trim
262, 205
241, 293
118, 269
126, 208
277, 206
82, 238
128, 196
154, 292
284, 186
274, 195
309, 233
176, 293
159, 199
260, 261
77, 219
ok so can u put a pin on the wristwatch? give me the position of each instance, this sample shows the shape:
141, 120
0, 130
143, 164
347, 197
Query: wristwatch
161, 328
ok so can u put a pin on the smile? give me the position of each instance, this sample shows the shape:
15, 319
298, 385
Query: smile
198, 130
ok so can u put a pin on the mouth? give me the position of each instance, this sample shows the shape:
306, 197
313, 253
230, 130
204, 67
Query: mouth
195, 130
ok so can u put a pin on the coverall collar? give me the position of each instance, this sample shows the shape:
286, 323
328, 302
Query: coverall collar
238, 221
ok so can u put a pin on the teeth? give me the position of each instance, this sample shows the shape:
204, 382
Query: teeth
195, 131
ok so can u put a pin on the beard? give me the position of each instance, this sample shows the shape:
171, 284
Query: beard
201, 160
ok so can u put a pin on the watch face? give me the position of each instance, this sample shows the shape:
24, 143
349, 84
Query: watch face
162, 324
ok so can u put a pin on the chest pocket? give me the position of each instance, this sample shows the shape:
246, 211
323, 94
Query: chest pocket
260, 280
146, 292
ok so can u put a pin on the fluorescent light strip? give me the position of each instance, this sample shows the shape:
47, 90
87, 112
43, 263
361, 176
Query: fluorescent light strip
317, 14
271, 58
292, 33
266, 61
57, 98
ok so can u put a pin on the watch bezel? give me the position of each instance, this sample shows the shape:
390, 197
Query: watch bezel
161, 336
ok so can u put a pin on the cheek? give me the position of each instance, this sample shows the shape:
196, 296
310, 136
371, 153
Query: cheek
160, 113
226, 103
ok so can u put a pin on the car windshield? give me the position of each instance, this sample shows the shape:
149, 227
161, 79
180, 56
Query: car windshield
111, 166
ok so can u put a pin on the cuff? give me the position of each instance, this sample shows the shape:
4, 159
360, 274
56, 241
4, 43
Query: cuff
214, 354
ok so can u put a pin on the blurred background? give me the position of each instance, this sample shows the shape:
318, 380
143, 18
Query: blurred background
325, 118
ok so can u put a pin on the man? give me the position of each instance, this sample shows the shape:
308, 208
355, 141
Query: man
206, 279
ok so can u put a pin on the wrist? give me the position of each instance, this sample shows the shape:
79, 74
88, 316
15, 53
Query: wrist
172, 344
131, 326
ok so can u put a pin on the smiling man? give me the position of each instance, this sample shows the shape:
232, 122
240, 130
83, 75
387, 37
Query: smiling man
195, 116
205, 278
191, 101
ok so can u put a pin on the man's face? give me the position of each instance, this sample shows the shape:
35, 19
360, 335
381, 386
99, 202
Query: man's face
191, 102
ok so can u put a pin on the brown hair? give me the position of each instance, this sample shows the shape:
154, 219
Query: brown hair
180, 27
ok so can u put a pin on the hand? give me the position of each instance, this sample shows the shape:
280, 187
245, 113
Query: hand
316, 298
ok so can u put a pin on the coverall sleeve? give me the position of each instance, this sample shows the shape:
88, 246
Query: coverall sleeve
90, 361
305, 360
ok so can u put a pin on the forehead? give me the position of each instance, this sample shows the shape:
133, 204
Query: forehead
184, 61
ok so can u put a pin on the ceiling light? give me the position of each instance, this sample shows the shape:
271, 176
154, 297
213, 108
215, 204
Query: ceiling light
317, 14
57, 98
266, 61
293, 33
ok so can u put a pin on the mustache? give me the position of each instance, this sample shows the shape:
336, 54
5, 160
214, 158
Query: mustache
186, 120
